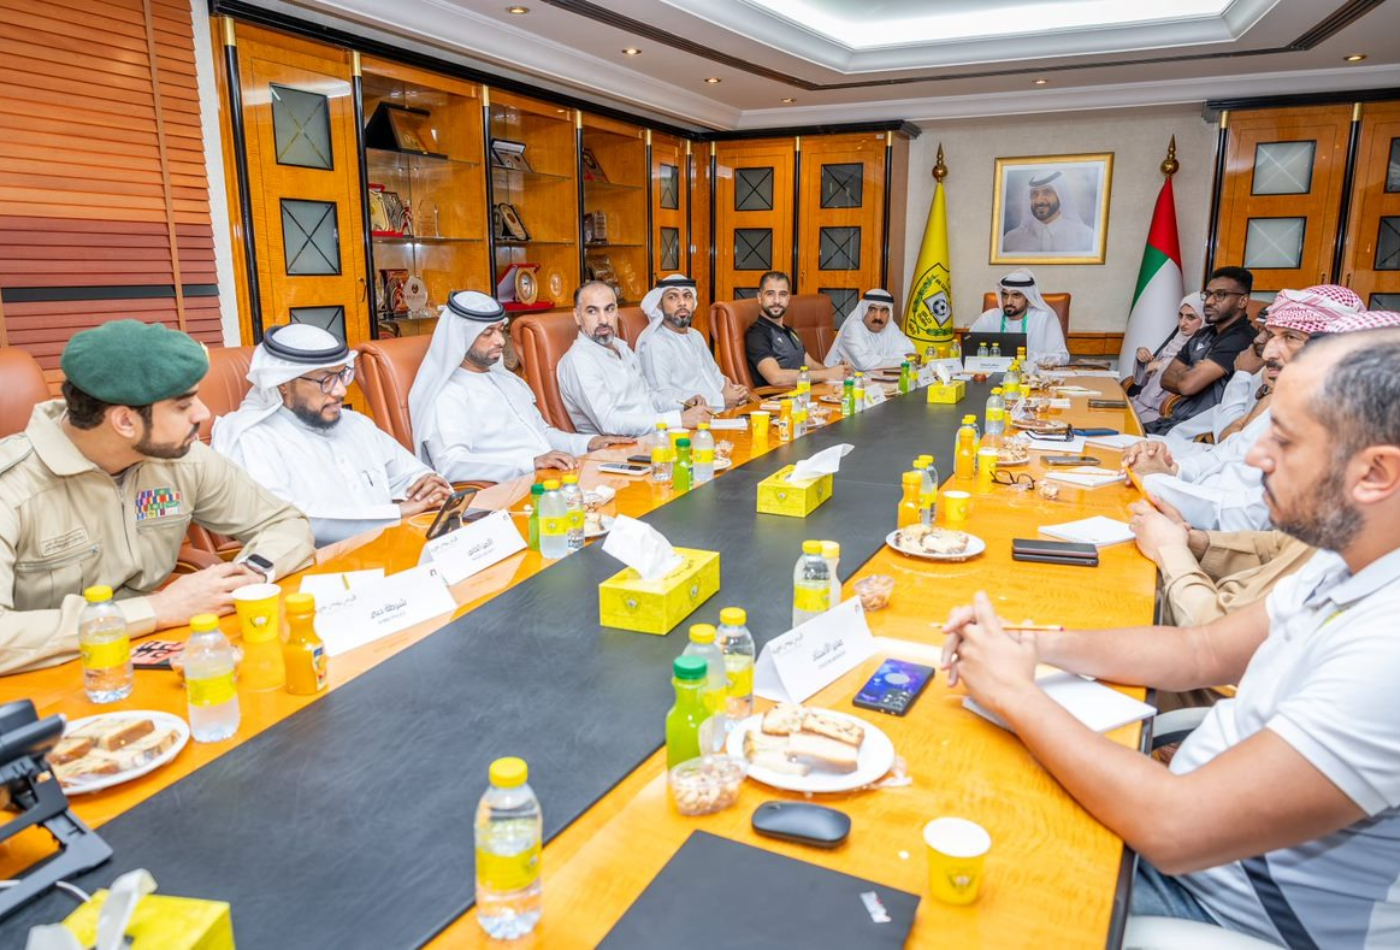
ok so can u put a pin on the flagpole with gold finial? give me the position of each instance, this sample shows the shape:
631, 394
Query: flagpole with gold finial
928, 316
1170, 165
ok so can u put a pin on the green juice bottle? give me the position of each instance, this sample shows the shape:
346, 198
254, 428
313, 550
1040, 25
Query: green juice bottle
536, 496
691, 679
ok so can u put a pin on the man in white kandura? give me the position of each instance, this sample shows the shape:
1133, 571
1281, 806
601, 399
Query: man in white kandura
1217, 489
1024, 310
601, 380
1049, 222
474, 419
869, 337
293, 435
675, 358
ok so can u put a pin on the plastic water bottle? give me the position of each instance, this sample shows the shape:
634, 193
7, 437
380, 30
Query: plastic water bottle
928, 490
955, 351
105, 647
713, 731
965, 453
573, 508
702, 454
811, 584
804, 387
1011, 382
554, 522
686, 719
859, 388
996, 413
509, 832
683, 475
209, 664
848, 397
736, 643
536, 494
799, 420
831, 553
982, 349
996, 350
904, 384
661, 456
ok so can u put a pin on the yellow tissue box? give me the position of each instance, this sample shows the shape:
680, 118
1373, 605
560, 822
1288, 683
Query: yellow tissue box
161, 922
951, 393
778, 496
627, 602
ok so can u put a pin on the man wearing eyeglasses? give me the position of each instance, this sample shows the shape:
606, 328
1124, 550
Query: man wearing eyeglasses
1202, 368
294, 435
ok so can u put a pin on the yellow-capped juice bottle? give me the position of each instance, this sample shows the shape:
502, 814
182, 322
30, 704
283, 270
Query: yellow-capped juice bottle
304, 652
909, 505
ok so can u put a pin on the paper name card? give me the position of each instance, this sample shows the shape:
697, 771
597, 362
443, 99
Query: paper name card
333, 588
986, 364
1088, 476
802, 661
723, 425
473, 547
383, 607
1120, 442
1092, 703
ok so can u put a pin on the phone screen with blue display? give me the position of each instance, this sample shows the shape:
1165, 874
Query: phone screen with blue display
894, 687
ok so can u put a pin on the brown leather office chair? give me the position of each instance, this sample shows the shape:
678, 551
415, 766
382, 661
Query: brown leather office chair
631, 321
1058, 303
226, 383
385, 369
22, 387
809, 314
541, 340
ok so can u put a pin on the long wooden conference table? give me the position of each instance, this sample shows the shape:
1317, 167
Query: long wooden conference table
346, 819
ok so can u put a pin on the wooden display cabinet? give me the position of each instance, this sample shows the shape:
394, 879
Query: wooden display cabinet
613, 164
542, 196
443, 239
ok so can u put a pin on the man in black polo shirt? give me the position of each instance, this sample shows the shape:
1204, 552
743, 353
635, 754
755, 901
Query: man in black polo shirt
775, 351
1203, 367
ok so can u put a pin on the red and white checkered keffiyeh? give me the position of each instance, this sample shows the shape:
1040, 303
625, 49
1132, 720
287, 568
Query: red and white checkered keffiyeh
1370, 320
1313, 310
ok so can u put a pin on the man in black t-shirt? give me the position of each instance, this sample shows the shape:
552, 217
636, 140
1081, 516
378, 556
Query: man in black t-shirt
775, 351
1203, 367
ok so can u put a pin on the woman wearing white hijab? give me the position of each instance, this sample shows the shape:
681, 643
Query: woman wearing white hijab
1148, 394
869, 338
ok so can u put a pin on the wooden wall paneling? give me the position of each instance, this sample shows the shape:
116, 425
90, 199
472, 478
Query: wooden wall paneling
753, 210
699, 217
266, 58
1252, 134
1372, 254
223, 37
102, 177
669, 152
854, 184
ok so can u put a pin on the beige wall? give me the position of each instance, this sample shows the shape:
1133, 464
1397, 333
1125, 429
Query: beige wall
1138, 138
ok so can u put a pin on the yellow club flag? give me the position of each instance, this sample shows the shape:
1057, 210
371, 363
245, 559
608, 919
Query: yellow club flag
928, 316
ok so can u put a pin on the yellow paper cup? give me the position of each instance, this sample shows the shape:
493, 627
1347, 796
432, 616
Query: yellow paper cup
957, 850
957, 505
676, 435
759, 421
257, 607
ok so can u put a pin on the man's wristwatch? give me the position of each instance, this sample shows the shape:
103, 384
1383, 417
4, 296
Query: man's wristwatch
260, 564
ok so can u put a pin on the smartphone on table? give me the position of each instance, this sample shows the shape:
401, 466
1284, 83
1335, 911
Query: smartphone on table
454, 513
624, 468
894, 687
1070, 460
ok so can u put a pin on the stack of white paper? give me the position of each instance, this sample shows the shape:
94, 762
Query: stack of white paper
1098, 531
1087, 476
1118, 442
721, 425
1098, 707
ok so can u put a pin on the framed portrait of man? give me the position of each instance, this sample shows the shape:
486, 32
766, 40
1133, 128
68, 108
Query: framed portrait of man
1051, 209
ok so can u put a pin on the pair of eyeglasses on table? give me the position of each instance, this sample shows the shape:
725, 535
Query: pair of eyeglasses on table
1019, 480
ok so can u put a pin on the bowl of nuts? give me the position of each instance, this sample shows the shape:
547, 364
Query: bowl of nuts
707, 784
874, 591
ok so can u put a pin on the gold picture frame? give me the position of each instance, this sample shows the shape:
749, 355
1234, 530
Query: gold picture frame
1051, 209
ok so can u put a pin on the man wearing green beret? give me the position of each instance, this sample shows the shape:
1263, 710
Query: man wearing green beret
103, 484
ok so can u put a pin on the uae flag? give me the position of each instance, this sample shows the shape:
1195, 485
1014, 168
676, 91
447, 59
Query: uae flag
1159, 289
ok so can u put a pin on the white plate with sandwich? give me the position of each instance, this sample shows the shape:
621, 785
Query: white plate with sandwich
811, 750
97, 752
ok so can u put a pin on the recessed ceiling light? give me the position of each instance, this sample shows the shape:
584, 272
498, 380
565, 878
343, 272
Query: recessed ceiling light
632, 51
712, 80
518, 10
1355, 57
789, 99
1040, 82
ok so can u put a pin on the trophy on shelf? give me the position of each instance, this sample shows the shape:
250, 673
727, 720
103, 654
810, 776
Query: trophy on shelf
397, 128
415, 298
519, 288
